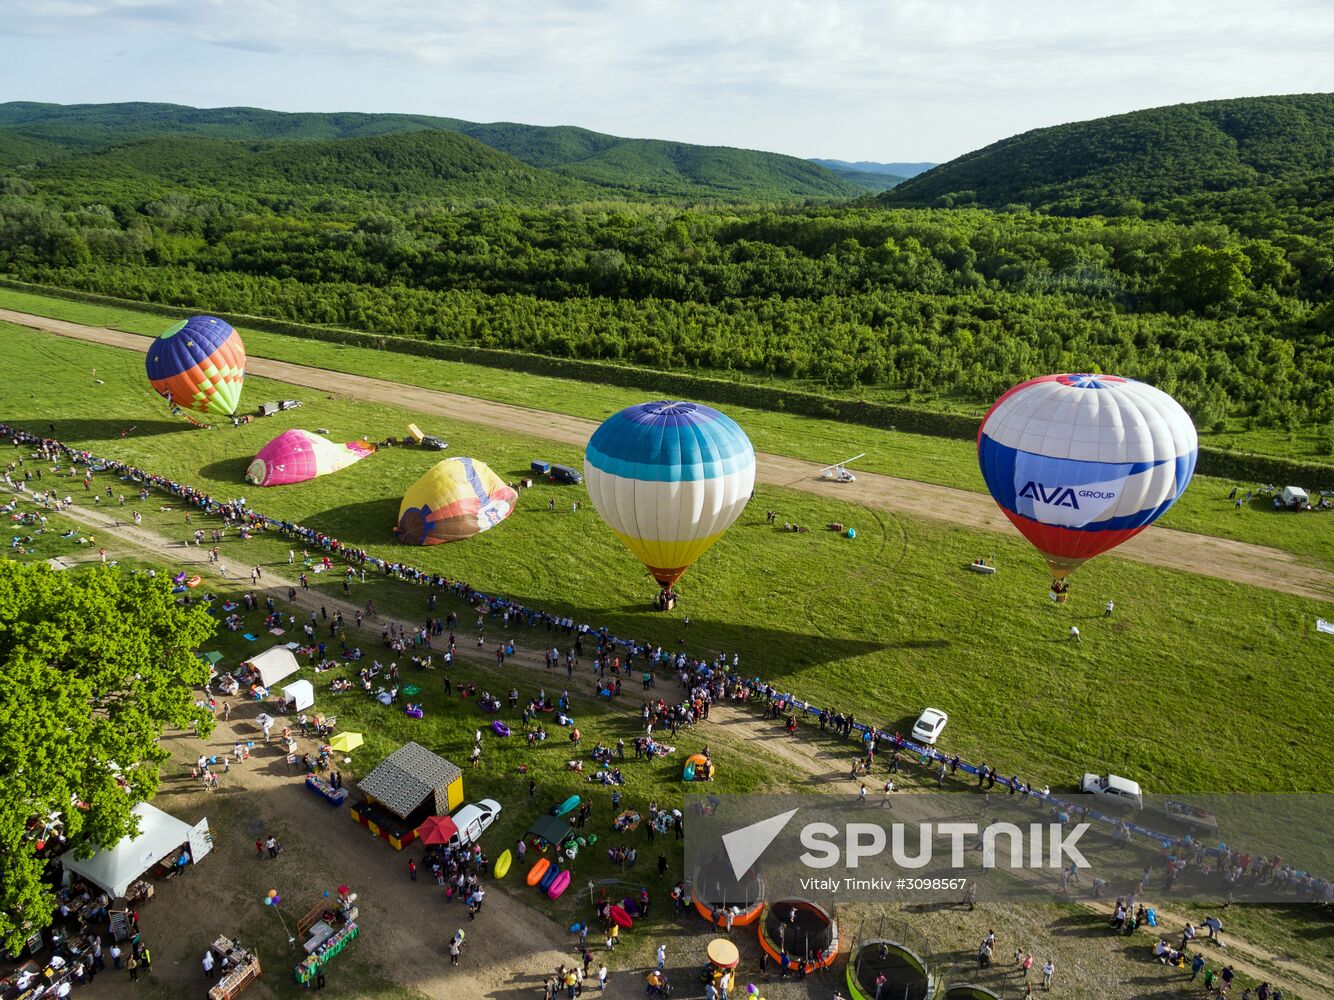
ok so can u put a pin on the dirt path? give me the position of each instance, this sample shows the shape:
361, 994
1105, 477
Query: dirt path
1239, 562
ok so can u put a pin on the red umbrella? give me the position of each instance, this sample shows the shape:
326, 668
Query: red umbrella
437, 830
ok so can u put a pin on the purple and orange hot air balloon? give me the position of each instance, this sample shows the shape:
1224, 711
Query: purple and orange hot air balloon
199, 364
295, 456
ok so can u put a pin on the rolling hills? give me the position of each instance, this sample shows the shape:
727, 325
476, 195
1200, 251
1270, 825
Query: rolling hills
439, 164
612, 166
1116, 165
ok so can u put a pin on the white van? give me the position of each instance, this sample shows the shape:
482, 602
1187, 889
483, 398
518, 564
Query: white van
472, 820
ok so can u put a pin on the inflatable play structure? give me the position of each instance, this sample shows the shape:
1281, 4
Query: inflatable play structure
698, 768
805, 931
891, 949
295, 456
714, 889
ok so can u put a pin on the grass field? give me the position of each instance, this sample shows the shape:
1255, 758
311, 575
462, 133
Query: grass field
1179, 689
1204, 509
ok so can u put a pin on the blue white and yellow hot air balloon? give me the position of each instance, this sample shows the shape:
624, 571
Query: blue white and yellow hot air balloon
1081, 463
669, 478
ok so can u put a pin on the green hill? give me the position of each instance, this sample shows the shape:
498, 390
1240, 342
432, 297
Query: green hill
1113, 165
19, 150
441, 164
619, 166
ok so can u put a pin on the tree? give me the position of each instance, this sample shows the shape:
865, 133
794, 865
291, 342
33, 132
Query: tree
1202, 277
93, 667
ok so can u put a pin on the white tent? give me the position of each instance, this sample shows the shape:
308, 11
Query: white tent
300, 694
115, 868
274, 664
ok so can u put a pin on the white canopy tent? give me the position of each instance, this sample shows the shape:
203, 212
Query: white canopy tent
274, 664
300, 695
116, 867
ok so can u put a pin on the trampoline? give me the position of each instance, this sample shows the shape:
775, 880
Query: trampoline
906, 974
714, 887
805, 931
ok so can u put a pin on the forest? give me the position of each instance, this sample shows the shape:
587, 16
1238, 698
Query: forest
1223, 298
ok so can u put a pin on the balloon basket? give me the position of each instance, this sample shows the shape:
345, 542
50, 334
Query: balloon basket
1059, 597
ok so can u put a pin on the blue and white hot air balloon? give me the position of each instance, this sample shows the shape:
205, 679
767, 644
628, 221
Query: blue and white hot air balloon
1080, 463
669, 478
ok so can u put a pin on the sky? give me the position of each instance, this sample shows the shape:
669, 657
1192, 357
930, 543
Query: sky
896, 80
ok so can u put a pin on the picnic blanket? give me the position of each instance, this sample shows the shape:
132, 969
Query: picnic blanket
252, 638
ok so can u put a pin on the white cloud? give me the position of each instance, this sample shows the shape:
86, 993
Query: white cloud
891, 80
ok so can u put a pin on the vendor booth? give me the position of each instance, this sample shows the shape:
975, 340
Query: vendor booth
239, 967
273, 665
162, 837
411, 785
299, 696
325, 930
550, 830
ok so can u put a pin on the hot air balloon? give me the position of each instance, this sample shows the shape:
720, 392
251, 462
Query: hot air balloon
199, 364
295, 456
1080, 463
456, 499
669, 478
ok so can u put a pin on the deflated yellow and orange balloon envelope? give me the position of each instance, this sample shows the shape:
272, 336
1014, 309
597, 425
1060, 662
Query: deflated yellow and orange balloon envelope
456, 499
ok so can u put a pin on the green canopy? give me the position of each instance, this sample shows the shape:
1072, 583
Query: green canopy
212, 657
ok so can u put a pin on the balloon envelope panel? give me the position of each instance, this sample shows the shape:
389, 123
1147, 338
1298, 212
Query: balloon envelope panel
456, 499
669, 478
1080, 463
296, 455
199, 364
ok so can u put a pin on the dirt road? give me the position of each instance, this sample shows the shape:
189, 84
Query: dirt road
1239, 562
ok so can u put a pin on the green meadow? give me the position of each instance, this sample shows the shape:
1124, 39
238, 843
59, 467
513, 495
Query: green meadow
1205, 508
1180, 689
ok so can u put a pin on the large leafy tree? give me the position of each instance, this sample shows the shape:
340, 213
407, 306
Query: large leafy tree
93, 667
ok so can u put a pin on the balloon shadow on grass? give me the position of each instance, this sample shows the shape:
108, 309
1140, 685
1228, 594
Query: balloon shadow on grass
772, 652
74, 431
228, 470
370, 522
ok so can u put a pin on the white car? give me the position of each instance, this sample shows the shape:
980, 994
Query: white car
472, 820
929, 726
1113, 790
